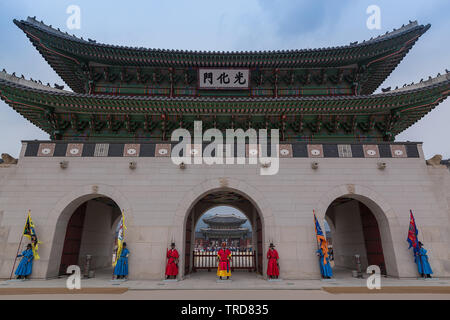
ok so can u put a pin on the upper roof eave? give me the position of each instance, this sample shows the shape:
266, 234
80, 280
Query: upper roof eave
33, 23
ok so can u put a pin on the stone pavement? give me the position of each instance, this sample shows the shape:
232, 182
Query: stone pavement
240, 281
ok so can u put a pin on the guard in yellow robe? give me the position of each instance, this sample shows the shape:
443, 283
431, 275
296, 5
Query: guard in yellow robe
224, 257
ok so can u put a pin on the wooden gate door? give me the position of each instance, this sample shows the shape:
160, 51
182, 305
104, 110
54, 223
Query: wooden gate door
372, 238
187, 248
259, 249
72, 241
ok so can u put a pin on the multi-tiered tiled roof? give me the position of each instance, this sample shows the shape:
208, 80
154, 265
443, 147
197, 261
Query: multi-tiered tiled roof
144, 94
224, 226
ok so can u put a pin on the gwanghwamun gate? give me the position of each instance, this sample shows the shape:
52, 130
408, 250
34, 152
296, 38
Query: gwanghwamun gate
110, 151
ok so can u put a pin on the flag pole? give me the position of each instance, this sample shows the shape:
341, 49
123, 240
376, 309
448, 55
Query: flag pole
317, 244
112, 275
419, 259
18, 249
122, 220
15, 260
319, 248
115, 258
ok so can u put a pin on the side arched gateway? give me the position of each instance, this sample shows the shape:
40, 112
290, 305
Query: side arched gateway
85, 225
359, 226
90, 231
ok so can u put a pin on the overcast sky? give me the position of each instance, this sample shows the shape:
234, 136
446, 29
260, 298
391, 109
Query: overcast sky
231, 25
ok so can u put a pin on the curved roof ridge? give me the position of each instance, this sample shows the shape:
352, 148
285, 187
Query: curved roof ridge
48, 28
225, 230
423, 83
224, 218
27, 83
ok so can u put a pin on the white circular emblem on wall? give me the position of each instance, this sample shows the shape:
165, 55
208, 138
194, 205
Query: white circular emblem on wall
74, 151
398, 152
162, 151
132, 151
371, 152
315, 152
284, 152
46, 151
194, 152
253, 152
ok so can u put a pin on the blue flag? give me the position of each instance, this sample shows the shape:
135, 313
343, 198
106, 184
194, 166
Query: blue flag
321, 239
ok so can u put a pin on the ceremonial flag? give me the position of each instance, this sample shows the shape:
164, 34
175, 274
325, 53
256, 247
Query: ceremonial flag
29, 231
321, 239
120, 237
412, 233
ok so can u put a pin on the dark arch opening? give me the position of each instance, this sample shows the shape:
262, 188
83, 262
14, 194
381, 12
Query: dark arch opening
354, 231
90, 231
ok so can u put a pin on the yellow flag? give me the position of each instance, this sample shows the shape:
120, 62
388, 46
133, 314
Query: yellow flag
29, 231
120, 237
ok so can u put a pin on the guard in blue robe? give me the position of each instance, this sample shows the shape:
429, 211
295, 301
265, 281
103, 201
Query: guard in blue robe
26, 264
421, 259
121, 269
325, 269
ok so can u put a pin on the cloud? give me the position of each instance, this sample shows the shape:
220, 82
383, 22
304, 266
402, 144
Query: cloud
302, 17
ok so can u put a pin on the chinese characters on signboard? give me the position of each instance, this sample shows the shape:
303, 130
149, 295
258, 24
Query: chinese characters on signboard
223, 78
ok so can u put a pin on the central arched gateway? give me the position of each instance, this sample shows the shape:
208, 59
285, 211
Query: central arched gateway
224, 197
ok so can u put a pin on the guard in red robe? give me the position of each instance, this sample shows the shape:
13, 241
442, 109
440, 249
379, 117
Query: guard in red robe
172, 262
273, 269
224, 257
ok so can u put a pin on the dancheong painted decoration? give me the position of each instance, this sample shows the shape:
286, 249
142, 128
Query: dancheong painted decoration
141, 95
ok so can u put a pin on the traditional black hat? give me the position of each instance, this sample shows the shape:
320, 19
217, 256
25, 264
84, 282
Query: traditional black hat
271, 245
172, 244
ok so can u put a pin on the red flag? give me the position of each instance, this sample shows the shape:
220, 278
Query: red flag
412, 232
